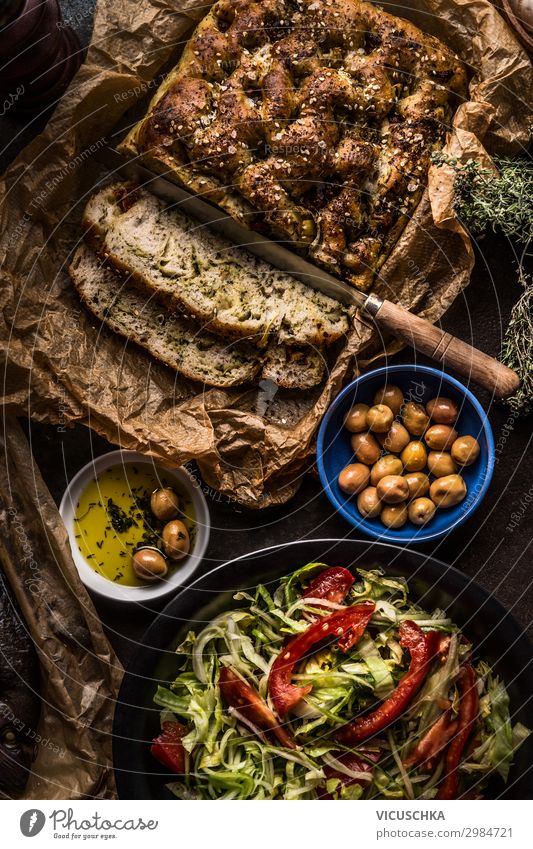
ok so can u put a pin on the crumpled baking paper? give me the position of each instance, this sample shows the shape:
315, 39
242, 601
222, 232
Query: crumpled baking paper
79, 672
252, 444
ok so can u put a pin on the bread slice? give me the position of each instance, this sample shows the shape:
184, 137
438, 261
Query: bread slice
177, 342
196, 272
180, 343
292, 367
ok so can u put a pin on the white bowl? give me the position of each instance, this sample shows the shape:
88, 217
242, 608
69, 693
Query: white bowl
181, 575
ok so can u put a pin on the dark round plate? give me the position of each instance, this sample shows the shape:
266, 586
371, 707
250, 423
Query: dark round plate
494, 632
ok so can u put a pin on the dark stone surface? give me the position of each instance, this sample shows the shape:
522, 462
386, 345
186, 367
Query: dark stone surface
493, 547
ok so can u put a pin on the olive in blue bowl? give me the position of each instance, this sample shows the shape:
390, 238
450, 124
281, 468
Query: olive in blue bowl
411, 468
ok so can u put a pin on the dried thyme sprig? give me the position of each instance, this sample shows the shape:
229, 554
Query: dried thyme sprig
517, 349
486, 200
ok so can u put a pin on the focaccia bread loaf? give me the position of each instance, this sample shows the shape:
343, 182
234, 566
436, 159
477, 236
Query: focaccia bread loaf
197, 273
181, 344
316, 118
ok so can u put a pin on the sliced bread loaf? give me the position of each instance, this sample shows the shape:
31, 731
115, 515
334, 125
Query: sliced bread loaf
196, 272
178, 342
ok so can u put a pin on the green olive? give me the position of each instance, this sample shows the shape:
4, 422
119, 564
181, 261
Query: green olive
379, 418
414, 418
387, 465
396, 438
418, 484
465, 450
355, 419
392, 489
448, 491
442, 410
164, 504
440, 437
440, 464
368, 503
366, 448
414, 456
176, 540
391, 396
394, 515
421, 510
354, 478
149, 564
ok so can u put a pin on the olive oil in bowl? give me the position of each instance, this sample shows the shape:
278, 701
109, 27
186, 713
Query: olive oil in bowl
113, 517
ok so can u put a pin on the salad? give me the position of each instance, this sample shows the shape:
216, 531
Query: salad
334, 686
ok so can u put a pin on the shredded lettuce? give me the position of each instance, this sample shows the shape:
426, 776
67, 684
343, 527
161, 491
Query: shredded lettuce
501, 746
500, 738
292, 584
374, 585
379, 668
436, 687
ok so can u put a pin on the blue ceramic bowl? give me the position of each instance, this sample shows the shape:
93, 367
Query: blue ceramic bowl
420, 384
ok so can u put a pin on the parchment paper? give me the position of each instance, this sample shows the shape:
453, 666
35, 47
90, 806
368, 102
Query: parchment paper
80, 674
252, 444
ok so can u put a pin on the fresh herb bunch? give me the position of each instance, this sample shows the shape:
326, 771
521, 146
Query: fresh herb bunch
517, 349
486, 200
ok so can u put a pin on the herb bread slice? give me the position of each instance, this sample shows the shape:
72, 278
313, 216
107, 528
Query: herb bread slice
180, 343
196, 272
293, 367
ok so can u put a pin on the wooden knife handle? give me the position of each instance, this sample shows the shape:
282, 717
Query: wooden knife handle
447, 349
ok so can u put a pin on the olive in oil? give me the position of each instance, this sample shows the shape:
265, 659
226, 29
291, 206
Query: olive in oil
113, 518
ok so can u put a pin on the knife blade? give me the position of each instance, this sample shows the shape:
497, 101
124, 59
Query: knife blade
220, 222
411, 329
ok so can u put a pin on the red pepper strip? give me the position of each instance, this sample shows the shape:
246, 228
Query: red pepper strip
353, 762
348, 624
422, 648
238, 694
468, 712
168, 748
332, 584
433, 742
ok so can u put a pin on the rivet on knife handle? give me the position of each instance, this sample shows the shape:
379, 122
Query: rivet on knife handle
453, 353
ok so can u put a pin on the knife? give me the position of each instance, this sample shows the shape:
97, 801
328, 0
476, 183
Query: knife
411, 329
